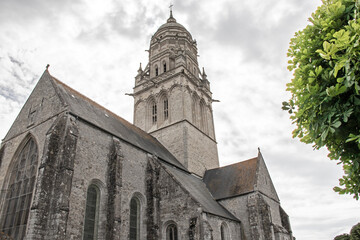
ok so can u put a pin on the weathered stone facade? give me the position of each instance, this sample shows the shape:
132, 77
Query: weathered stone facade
100, 177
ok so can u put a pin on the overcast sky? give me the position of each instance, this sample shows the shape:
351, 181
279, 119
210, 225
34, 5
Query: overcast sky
95, 46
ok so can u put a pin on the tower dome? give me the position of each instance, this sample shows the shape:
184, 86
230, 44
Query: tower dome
172, 27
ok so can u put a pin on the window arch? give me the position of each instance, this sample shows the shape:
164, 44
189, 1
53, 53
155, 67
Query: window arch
164, 65
134, 219
171, 232
91, 213
20, 190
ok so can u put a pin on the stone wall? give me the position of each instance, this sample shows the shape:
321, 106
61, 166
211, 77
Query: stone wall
196, 151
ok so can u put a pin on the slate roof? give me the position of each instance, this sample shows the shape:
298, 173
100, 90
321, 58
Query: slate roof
232, 180
95, 114
197, 189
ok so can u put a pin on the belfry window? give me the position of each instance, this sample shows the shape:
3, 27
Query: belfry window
91, 213
154, 113
134, 219
171, 232
164, 67
20, 189
166, 109
156, 71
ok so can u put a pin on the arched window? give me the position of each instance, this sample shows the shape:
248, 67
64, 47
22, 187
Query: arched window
203, 118
194, 108
156, 70
91, 213
166, 109
20, 189
154, 112
171, 232
164, 66
134, 219
224, 232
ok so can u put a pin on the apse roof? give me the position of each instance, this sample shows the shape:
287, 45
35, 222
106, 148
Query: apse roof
232, 180
95, 114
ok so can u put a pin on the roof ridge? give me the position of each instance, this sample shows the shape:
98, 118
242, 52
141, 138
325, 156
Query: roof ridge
237, 163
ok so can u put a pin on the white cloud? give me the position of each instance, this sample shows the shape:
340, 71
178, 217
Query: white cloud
96, 46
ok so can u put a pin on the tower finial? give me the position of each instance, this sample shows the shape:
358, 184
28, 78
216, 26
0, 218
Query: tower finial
171, 5
171, 18
47, 66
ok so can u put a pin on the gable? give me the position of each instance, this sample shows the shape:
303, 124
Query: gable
42, 104
240, 178
264, 183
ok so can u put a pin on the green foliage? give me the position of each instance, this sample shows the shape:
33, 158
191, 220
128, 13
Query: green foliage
355, 232
342, 237
325, 101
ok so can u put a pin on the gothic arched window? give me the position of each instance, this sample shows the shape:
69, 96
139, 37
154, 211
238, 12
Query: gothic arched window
154, 112
20, 189
224, 232
164, 66
166, 109
171, 232
156, 70
91, 213
134, 219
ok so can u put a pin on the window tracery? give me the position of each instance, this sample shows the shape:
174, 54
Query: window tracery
20, 189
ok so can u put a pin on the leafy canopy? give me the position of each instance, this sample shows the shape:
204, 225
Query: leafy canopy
325, 101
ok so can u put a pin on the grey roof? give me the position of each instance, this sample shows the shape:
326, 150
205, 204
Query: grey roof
232, 180
95, 114
198, 190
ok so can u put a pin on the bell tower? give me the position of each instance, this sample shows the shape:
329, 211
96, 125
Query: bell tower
173, 101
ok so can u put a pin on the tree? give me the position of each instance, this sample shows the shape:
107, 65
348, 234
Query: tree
325, 99
355, 232
344, 236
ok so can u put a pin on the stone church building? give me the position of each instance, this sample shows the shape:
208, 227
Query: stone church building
71, 169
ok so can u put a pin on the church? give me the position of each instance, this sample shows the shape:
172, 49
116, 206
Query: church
71, 169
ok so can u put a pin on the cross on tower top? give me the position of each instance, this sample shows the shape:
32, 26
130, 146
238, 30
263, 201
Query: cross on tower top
171, 6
